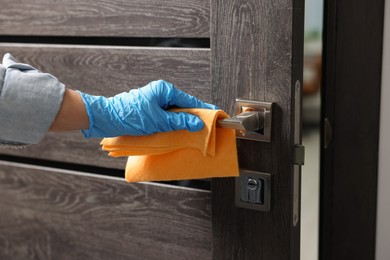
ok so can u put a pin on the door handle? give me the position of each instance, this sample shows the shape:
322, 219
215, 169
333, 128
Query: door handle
252, 120
246, 121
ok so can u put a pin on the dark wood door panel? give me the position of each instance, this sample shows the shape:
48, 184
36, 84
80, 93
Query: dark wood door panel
120, 18
106, 70
53, 214
69, 147
257, 49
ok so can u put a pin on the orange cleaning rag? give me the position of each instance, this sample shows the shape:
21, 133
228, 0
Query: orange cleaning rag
181, 154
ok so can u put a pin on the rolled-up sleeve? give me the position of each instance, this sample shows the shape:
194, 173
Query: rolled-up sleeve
29, 102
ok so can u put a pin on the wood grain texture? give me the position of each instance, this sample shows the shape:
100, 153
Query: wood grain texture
256, 49
351, 102
120, 18
52, 215
107, 71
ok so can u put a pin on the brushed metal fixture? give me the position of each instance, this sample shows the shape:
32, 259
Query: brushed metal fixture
252, 120
253, 190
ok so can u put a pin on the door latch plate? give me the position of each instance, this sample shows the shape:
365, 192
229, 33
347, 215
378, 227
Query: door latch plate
299, 155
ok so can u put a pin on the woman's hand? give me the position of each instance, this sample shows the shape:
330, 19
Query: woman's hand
141, 111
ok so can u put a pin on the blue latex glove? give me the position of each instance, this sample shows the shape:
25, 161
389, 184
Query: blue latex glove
141, 111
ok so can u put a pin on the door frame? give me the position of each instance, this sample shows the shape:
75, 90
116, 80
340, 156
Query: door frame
351, 87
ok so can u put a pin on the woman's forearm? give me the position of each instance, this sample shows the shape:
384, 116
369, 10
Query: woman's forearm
72, 115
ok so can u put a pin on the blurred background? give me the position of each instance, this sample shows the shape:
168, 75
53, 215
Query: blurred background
311, 113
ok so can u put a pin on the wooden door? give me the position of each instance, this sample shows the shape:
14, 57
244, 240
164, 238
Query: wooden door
62, 199
257, 55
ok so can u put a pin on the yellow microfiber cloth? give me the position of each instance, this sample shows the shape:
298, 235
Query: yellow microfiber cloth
179, 155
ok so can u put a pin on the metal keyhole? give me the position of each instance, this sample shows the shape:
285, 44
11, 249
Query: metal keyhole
252, 184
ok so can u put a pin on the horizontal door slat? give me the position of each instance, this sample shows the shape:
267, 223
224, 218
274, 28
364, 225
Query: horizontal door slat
107, 71
69, 147
119, 18
50, 215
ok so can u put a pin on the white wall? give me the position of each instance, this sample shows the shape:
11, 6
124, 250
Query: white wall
383, 218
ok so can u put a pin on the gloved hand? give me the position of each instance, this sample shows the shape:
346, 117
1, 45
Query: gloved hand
141, 111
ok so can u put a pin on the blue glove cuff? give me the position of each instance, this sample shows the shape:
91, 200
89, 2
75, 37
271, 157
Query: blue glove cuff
87, 132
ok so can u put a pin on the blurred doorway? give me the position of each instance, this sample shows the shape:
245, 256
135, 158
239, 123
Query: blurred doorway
311, 128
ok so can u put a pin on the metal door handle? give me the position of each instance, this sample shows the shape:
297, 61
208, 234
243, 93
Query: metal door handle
247, 121
252, 120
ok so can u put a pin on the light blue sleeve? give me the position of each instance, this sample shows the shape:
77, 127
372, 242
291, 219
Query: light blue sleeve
29, 102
